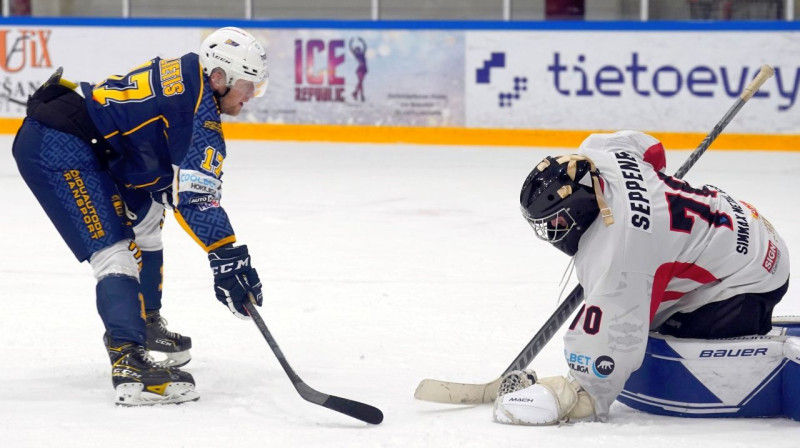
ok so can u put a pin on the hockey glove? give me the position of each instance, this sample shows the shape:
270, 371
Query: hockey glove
235, 280
524, 399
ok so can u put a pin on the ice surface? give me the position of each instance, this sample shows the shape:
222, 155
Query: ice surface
382, 265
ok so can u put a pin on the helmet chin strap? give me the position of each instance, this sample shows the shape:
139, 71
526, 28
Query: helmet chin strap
227, 90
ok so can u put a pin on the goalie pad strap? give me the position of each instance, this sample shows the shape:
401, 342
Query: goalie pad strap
574, 403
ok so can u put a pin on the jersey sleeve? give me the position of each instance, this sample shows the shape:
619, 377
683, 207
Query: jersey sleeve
181, 78
198, 149
606, 341
645, 146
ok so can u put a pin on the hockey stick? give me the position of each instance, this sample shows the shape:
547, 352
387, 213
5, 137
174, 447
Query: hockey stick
463, 393
763, 75
54, 78
13, 100
355, 409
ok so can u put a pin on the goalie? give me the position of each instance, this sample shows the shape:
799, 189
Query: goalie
669, 272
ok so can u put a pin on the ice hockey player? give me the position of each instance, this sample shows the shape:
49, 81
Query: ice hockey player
104, 161
653, 254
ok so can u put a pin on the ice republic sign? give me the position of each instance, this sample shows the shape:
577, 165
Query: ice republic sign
317, 69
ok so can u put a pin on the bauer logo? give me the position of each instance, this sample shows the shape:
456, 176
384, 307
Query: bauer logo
734, 353
603, 366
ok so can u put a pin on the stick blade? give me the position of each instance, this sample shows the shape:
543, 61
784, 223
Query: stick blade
457, 393
355, 409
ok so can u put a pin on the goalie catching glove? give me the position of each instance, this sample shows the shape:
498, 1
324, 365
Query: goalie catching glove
235, 280
524, 399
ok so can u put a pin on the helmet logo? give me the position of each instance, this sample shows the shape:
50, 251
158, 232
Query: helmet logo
231, 42
216, 56
586, 180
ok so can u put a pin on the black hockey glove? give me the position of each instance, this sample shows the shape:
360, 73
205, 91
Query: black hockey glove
235, 280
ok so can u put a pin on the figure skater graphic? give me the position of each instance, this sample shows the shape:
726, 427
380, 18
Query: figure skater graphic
359, 50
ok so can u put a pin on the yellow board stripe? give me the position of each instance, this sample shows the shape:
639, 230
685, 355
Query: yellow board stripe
490, 137
472, 136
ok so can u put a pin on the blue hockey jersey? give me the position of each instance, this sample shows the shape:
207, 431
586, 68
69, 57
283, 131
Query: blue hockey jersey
162, 122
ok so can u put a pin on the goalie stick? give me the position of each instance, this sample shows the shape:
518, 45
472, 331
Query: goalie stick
464, 393
355, 409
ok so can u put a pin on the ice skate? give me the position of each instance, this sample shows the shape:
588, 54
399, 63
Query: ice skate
140, 382
166, 348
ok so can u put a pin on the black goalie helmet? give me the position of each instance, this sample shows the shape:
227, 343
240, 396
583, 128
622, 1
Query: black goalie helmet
561, 198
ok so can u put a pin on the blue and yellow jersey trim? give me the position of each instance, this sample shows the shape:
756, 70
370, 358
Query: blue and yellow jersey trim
208, 248
140, 126
200, 90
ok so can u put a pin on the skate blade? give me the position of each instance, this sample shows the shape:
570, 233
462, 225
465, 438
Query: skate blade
133, 394
171, 360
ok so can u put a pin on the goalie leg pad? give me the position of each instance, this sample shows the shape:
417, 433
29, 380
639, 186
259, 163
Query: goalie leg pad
750, 376
791, 379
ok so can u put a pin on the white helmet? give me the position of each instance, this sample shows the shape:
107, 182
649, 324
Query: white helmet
238, 53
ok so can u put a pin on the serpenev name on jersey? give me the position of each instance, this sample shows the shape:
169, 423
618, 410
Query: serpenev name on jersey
638, 195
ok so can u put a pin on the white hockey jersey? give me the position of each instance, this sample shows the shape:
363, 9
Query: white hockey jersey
673, 248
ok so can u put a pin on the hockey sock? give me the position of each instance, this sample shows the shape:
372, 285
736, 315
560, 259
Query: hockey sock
151, 278
121, 309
